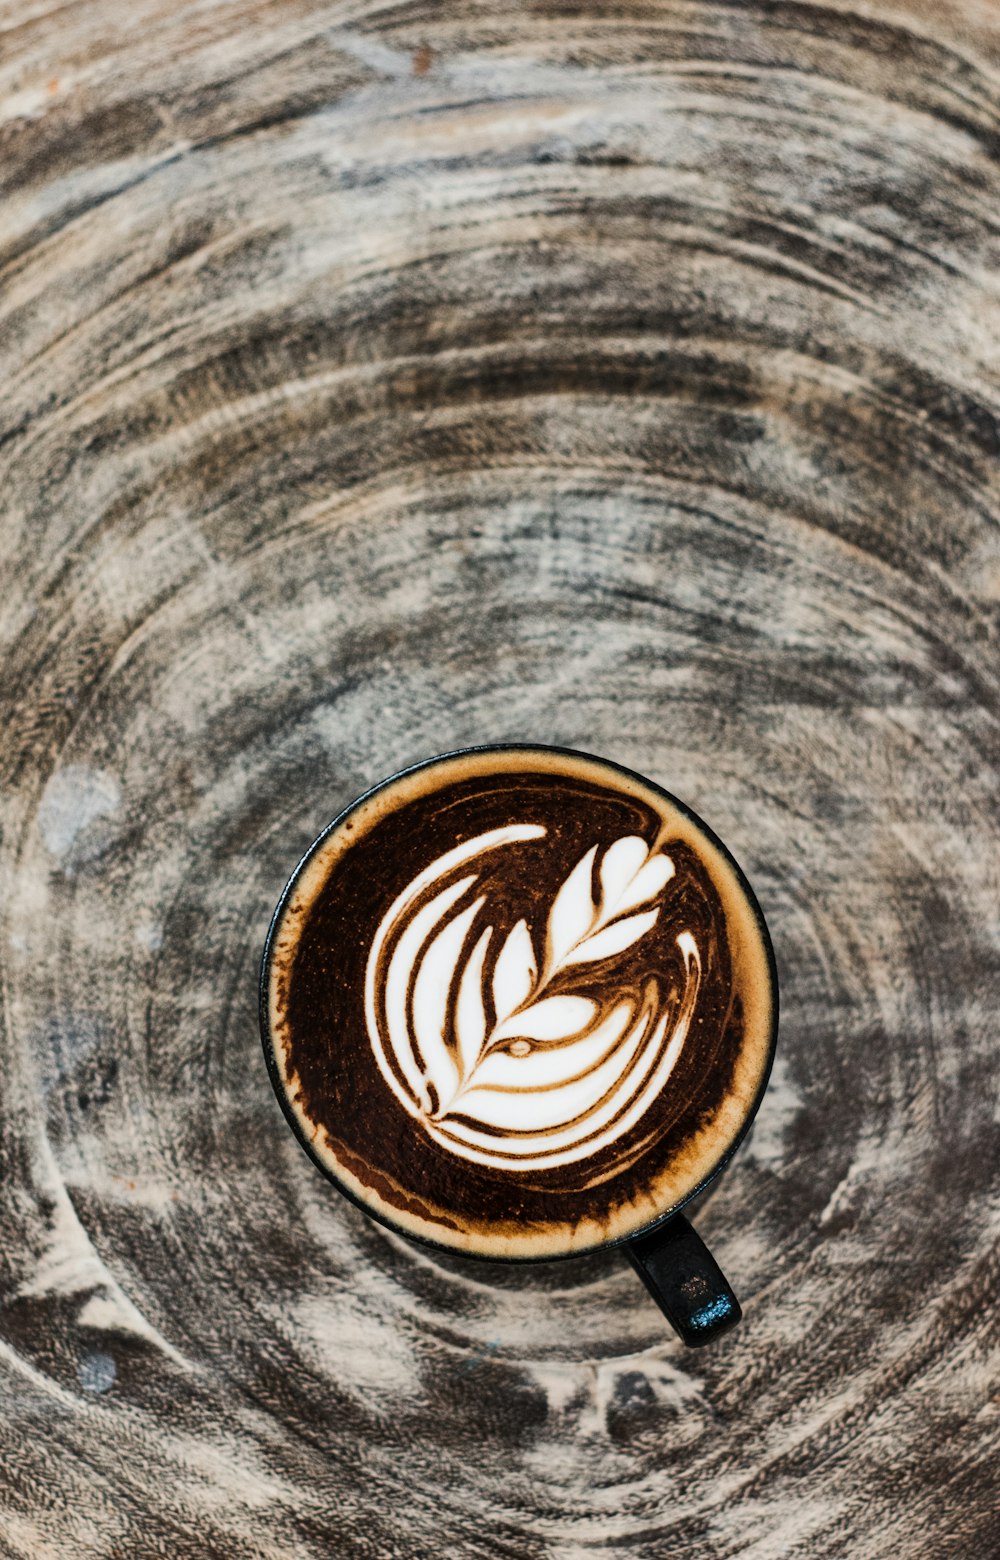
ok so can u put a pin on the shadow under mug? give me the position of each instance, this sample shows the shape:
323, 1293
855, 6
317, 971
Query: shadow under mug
668, 1254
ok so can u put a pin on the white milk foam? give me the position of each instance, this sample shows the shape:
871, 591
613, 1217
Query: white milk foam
495, 1068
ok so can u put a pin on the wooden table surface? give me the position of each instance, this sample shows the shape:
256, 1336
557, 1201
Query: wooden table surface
384, 377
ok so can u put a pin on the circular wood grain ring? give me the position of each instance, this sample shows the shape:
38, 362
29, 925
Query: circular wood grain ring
380, 380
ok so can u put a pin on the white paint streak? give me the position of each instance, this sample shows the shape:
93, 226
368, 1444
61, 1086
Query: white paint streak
73, 798
220, 1474
69, 1265
867, 1167
372, 1359
779, 1110
772, 1528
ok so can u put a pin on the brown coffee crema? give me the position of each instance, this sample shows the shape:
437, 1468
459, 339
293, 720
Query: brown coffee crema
519, 1003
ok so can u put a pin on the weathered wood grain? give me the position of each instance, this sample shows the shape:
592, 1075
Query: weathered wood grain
379, 378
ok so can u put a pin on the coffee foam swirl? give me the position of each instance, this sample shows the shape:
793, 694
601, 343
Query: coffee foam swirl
486, 1043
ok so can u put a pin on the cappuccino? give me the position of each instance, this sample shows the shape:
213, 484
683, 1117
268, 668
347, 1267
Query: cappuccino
518, 1002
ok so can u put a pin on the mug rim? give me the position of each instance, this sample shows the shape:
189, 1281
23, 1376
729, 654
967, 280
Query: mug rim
267, 1041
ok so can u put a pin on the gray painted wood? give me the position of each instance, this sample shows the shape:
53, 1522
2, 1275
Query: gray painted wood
383, 378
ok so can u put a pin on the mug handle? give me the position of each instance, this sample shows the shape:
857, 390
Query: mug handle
685, 1281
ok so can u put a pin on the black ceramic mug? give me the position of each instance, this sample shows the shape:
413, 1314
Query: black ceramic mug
519, 1002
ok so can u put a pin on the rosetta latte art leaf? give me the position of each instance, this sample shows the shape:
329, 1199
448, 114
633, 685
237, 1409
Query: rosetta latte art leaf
472, 1039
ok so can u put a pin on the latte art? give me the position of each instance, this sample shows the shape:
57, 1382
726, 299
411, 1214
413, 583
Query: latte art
483, 1041
517, 1002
